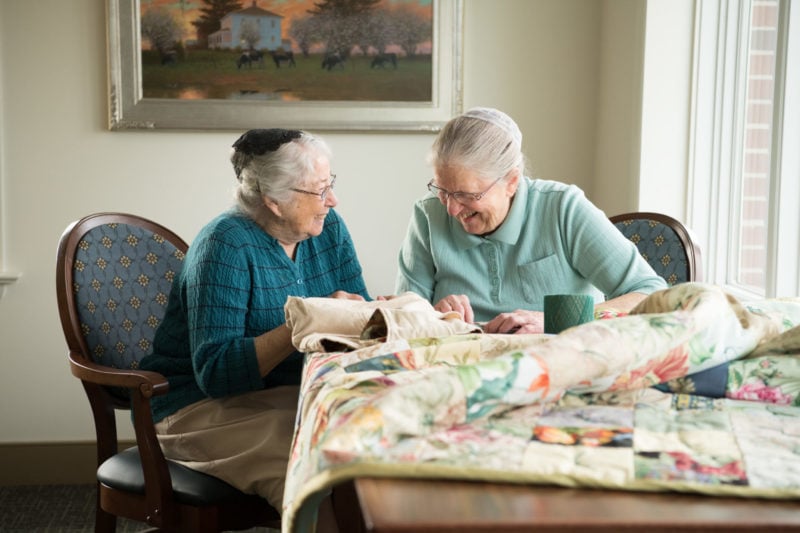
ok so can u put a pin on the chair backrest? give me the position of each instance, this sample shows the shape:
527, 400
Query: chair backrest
113, 279
665, 244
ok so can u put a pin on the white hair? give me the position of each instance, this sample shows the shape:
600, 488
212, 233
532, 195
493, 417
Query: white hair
275, 173
484, 140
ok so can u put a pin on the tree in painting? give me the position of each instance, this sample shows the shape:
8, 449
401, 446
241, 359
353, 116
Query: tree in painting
209, 20
343, 8
342, 25
250, 34
339, 22
305, 32
408, 30
163, 32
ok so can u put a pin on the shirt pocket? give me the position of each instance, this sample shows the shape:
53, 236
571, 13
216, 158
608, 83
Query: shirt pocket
540, 277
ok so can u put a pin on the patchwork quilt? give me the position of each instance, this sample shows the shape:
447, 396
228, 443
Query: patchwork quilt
693, 391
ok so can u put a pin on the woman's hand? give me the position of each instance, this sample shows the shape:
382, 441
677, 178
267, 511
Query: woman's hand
458, 303
344, 295
519, 321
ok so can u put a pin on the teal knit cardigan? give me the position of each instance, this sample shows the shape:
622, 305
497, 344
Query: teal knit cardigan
232, 288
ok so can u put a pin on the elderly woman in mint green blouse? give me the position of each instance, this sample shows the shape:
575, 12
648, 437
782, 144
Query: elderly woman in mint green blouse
490, 242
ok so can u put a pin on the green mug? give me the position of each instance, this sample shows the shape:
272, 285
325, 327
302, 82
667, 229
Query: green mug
562, 311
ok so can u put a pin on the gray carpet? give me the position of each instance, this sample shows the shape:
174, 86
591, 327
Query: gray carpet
53, 508
56, 509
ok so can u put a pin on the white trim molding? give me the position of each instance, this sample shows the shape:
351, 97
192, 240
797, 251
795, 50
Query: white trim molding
6, 278
783, 267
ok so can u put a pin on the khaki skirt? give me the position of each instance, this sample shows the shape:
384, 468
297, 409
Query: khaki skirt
244, 440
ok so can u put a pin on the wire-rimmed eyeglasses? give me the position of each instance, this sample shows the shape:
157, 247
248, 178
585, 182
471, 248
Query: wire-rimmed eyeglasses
460, 196
321, 194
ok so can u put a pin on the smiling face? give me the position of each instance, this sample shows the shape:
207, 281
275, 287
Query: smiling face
479, 217
303, 215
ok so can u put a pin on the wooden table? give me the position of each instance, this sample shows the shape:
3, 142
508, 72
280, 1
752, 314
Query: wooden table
383, 505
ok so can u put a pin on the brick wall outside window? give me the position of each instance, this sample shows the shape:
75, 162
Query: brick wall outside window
754, 198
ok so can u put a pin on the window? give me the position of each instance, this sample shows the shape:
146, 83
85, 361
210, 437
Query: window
752, 201
744, 173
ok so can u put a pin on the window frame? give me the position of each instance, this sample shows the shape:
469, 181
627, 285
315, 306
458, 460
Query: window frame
716, 149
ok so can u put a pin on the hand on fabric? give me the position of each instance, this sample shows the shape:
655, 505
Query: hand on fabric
458, 303
344, 295
519, 321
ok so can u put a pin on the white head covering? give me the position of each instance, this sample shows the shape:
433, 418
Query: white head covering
499, 119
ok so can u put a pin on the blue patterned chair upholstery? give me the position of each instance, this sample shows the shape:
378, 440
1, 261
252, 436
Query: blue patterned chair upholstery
665, 244
122, 276
114, 274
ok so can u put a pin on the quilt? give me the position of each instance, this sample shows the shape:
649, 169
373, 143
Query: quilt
693, 391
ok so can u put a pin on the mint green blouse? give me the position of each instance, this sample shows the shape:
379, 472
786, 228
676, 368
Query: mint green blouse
553, 241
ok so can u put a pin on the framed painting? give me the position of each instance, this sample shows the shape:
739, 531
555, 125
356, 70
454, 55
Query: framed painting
390, 65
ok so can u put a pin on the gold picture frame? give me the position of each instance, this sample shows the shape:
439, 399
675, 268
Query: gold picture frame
130, 108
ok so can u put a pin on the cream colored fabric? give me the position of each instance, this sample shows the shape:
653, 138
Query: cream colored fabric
331, 324
244, 440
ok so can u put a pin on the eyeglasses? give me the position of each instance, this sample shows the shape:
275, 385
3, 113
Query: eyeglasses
459, 196
321, 194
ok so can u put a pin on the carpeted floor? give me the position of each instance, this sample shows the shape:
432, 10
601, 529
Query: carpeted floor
53, 508
56, 509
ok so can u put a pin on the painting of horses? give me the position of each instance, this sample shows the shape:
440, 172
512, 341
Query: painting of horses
311, 64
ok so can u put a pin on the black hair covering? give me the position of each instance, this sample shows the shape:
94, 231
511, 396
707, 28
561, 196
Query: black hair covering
261, 141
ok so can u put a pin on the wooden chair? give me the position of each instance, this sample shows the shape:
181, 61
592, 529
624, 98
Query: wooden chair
665, 243
114, 273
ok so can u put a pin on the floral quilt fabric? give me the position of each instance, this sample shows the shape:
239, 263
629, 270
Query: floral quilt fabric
577, 409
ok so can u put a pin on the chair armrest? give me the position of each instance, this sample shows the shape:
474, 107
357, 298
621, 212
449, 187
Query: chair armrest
148, 383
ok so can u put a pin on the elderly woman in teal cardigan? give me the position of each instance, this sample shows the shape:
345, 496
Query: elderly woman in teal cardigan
223, 344
490, 242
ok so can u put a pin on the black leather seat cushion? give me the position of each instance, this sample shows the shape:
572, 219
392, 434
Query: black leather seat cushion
124, 472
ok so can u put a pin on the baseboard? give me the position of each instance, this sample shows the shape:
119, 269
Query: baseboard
48, 463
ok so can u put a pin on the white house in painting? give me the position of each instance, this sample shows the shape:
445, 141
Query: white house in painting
230, 34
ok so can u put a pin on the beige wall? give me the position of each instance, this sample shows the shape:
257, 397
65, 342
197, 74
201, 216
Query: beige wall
569, 71
664, 146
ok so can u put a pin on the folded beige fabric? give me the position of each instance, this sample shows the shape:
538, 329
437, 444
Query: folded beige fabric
394, 324
331, 324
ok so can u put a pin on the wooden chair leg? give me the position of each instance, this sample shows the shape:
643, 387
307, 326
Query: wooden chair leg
104, 522
346, 509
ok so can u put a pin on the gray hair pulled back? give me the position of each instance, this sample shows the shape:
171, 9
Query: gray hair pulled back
271, 162
484, 140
